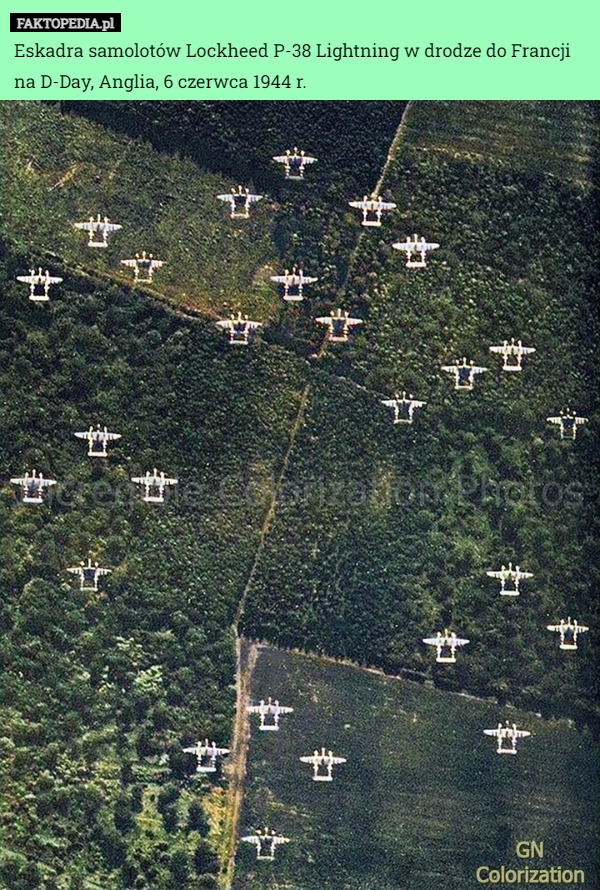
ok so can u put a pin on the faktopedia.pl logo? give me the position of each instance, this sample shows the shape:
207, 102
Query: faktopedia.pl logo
65, 21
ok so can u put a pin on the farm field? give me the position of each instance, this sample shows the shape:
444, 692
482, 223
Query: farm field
57, 169
423, 798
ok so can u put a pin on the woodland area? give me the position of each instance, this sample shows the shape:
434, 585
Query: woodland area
382, 534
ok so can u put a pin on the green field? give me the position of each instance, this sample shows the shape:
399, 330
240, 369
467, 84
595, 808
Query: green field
59, 169
423, 800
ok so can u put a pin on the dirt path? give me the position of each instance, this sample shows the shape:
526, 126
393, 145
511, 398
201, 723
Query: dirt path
394, 146
247, 654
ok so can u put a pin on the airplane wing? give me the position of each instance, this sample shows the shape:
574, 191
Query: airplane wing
191, 750
97, 225
502, 574
155, 481
554, 419
290, 279
324, 319
226, 323
273, 707
98, 434
254, 198
372, 204
311, 758
335, 760
433, 641
459, 641
498, 349
476, 369
495, 732
351, 322
39, 278
450, 368
257, 709
130, 263
519, 733
294, 156
230, 198
253, 838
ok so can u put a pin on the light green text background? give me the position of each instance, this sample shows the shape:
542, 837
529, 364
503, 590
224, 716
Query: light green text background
312, 22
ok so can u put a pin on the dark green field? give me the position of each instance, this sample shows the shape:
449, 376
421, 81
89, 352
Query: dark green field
423, 800
558, 137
